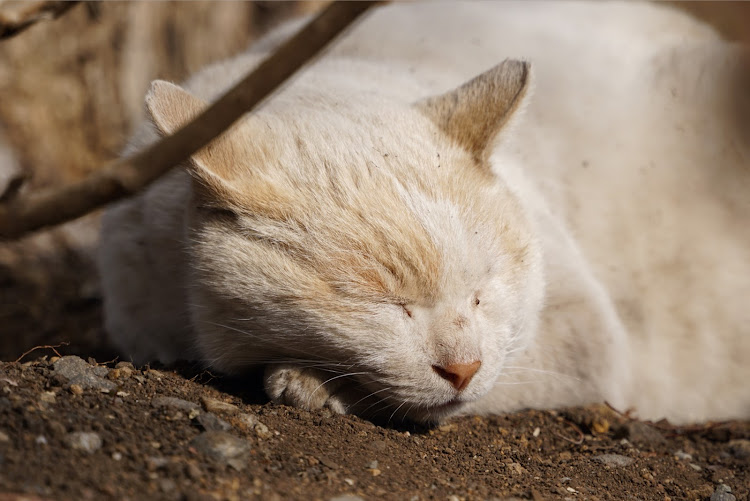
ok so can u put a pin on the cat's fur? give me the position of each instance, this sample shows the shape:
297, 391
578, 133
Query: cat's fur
368, 227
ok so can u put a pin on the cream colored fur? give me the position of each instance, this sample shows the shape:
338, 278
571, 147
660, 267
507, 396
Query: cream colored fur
580, 228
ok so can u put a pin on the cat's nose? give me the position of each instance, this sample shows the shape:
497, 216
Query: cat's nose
458, 374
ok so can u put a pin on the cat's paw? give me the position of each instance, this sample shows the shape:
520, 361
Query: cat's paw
306, 388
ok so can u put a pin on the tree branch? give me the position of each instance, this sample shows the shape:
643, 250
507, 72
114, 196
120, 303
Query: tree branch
21, 15
126, 176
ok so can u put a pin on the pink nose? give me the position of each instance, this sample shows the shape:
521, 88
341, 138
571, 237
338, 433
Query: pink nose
458, 375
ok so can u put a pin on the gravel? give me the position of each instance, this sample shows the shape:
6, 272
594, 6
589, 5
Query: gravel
211, 422
613, 460
223, 447
174, 403
84, 441
79, 372
723, 493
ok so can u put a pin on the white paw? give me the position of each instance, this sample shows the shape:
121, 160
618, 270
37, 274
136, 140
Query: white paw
302, 387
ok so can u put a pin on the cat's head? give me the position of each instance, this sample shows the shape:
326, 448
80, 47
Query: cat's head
366, 238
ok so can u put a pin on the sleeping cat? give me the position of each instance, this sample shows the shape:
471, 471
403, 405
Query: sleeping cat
461, 208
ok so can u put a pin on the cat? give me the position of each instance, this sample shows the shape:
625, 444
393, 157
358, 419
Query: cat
461, 208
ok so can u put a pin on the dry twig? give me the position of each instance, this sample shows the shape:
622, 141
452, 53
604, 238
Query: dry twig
126, 176
17, 16
44, 347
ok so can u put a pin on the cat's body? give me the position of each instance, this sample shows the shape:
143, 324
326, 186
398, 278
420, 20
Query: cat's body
415, 260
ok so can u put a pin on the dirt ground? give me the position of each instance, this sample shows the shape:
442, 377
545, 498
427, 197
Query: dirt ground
72, 428
75, 429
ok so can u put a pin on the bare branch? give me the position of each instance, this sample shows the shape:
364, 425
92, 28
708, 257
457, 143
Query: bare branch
17, 16
126, 176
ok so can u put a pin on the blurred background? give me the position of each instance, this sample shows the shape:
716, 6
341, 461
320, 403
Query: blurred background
71, 92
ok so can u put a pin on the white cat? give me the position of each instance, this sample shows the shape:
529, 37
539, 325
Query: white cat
393, 235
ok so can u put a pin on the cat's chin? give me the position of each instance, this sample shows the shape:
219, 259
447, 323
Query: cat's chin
437, 413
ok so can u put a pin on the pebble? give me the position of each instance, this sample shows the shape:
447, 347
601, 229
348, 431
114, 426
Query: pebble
379, 445
4, 437
210, 422
346, 497
262, 431
223, 447
48, 397
156, 462
641, 433
683, 456
84, 440
125, 365
217, 406
76, 389
739, 448
248, 420
173, 403
723, 493
79, 372
613, 460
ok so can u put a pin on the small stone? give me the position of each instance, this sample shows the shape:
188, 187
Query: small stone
193, 471
739, 448
84, 441
77, 371
683, 456
54, 359
347, 497
117, 456
248, 420
156, 462
48, 397
173, 403
723, 493
223, 447
262, 431
122, 394
516, 468
695, 467
218, 407
167, 485
40, 440
4, 437
125, 365
113, 374
640, 433
613, 460
210, 422
375, 472
379, 445
76, 389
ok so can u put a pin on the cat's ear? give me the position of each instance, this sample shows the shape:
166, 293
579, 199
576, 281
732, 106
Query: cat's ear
170, 106
474, 114
213, 167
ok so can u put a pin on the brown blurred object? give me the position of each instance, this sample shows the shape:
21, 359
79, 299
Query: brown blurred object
73, 88
71, 93
731, 19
